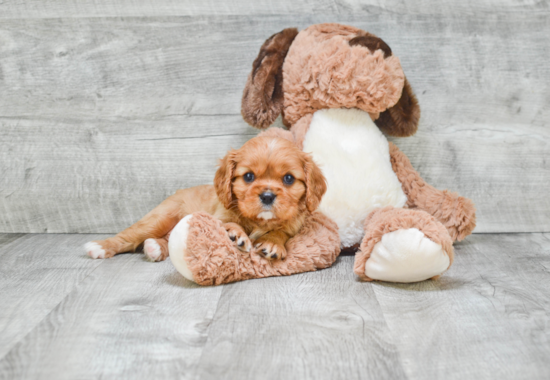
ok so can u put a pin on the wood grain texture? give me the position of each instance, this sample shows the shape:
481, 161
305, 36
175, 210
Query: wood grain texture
488, 317
125, 8
148, 8
77, 91
320, 325
489, 70
104, 175
130, 318
36, 273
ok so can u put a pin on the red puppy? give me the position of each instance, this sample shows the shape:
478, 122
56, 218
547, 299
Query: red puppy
262, 193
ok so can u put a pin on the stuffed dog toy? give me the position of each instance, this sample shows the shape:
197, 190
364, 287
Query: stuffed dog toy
338, 88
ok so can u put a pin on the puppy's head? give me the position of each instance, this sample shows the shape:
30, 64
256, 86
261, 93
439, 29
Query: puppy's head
269, 178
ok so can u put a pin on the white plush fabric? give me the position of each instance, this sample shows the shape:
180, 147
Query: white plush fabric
177, 247
406, 256
355, 159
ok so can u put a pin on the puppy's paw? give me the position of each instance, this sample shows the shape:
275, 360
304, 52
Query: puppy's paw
153, 251
270, 250
238, 237
96, 251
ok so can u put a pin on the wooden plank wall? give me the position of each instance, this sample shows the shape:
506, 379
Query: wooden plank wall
108, 107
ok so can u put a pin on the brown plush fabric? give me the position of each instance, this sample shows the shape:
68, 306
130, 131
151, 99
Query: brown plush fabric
213, 259
456, 213
322, 70
262, 98
402, 119
300, 129
389, 219
373, 43
329, 66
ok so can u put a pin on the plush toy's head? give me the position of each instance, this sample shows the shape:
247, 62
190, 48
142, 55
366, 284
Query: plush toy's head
329, 66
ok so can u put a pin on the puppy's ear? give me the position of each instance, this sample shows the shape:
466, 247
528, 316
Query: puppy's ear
316, 184
262, 98
224, 177
401, 120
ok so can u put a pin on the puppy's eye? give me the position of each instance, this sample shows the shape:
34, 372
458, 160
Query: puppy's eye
288, 179
249, 177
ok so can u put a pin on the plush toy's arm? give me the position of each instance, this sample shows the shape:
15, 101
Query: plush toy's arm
456, 213
201, 250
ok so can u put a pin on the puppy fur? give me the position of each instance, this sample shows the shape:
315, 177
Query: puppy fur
235, 200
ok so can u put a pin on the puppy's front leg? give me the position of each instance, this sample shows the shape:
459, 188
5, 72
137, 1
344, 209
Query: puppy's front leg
272, 245
238, 236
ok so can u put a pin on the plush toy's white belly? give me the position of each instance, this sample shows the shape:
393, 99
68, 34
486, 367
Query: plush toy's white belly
355, 159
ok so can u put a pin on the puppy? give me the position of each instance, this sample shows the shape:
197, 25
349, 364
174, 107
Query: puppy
262, 193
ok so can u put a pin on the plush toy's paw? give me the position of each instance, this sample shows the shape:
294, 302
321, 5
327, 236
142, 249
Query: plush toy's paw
154, 251
96, 250
238, 237
201, 250
403, 245
177, 246
465, 217
270, 250
406, 255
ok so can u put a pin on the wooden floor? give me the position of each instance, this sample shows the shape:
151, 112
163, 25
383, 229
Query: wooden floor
65, 316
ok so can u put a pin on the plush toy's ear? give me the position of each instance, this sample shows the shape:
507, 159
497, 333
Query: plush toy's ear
263, 94
316, 184
401, 120
223, 180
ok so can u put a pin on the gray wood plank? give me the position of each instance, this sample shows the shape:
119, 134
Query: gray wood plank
103, 176
488, 317
36, 273
78, 92
465, 70
321, 325
147, 8
121, 8
7, 239
128, 319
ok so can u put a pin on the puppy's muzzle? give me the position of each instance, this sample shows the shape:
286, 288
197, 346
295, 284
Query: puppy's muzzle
267, 198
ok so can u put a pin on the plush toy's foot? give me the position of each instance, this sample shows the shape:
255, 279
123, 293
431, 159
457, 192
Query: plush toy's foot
402, 245
202, 251
177, 244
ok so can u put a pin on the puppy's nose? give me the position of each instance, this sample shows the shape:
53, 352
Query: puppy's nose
267, 198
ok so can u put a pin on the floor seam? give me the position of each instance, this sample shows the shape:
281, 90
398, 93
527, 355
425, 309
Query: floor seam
51, 310
208, 330
391, 332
